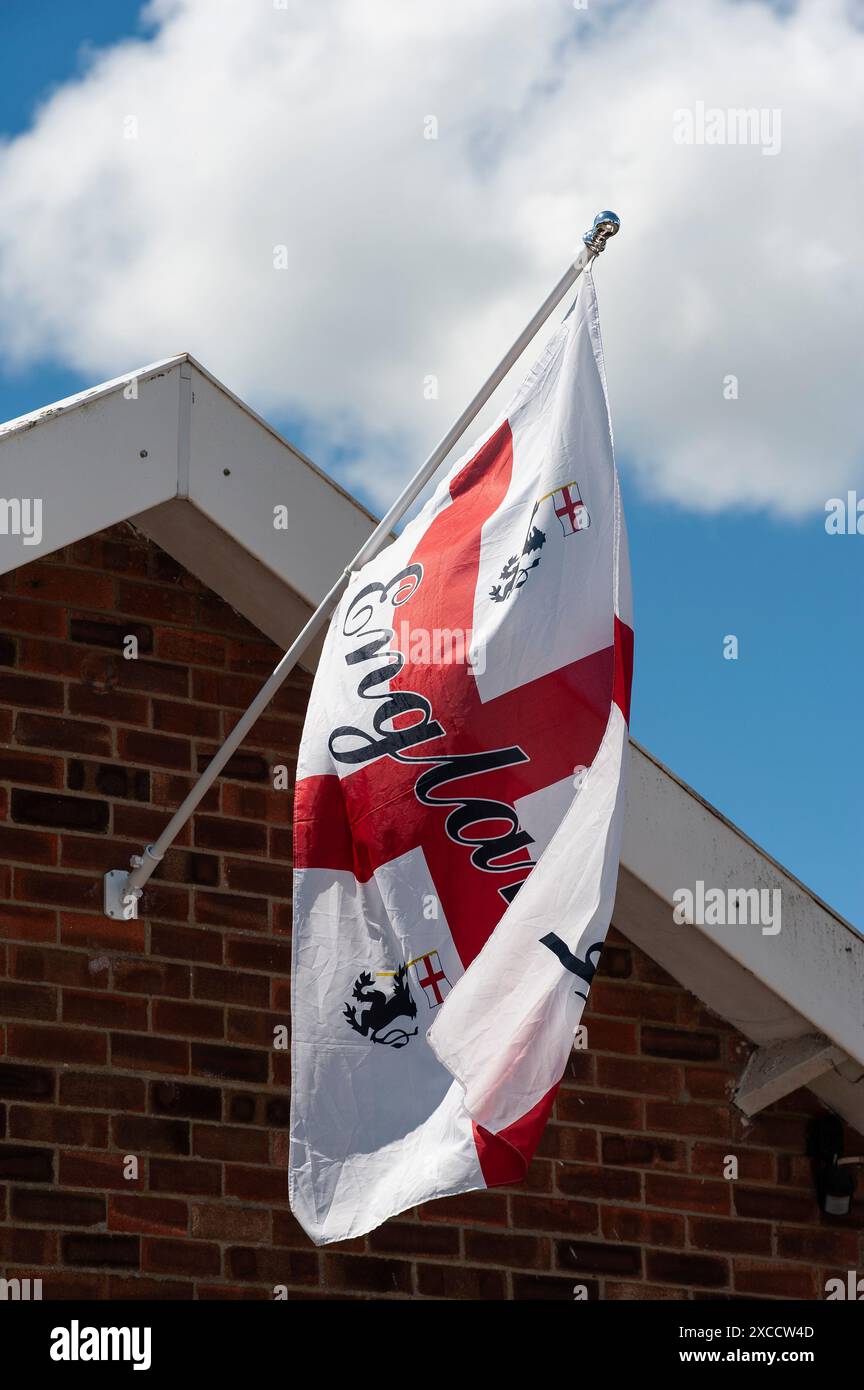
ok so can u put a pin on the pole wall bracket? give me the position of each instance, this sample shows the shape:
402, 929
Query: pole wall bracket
116, 902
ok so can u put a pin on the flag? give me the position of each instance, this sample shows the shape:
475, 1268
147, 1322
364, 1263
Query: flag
458, 813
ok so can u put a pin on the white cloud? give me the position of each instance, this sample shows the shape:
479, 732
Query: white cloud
303, 127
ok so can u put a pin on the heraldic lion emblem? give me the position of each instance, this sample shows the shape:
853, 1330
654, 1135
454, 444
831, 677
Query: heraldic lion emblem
383, 1009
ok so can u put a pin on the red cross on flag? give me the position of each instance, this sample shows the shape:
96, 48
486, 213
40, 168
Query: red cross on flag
448, 840
570, 510
431, 978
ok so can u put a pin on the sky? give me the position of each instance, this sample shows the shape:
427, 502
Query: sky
332, 205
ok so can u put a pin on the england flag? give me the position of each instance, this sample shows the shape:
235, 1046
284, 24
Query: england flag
458, 813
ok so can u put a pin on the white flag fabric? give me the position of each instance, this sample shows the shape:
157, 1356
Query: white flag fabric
458, 813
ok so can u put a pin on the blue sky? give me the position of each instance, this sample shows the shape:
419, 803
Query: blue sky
772, 739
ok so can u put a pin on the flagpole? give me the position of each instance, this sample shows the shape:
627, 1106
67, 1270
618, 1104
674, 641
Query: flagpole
123, 888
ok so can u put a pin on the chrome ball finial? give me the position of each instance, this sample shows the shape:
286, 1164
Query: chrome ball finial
605, 225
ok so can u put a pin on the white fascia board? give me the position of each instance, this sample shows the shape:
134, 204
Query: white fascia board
240, 470
93, 459
807, 978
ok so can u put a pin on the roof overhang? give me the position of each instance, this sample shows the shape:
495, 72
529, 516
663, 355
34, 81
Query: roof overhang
171, 449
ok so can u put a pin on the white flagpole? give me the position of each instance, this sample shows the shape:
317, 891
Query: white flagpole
123, 889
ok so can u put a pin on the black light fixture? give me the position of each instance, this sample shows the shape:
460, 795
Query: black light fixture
834, 1175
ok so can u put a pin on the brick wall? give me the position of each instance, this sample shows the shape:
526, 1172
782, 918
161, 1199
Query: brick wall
153, 1038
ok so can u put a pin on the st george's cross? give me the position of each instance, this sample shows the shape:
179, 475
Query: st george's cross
432, 799
570, 509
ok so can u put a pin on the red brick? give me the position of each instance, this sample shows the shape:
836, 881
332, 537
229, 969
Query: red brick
27, 923
175, 717
676, 1267
611, 1034
545, 1289
27, 1001
736, 1237
242, 767
139, 1052
231, 987
257, 803
57, 889
258, 955
161, 901
153, 677
103, 1171
230, 1063
775, 1204
773, 1280
85, 852
272, 1266
187, 1019
27, 846
475, 1208
151, 978
50, 1126
148, 1215
34, 769
26, 615
186, 1100
632, 1001
185, 1175
281, 845
104, 1010
70, 586
256, 1184
158, 750
547, 1214
613, 1184
211, 832
832, 1244
186, 943
231, 910
30, 1247
194, 648
683, 1046
137, 1289
687, 1194
67, 735
415, 1238
568, 1142
367, 1274
245, 876
106, 1251
225, 1222
460, 1282
170, 788
636, 1227
79, 929
114, 705
102, 1091
25, 1163
228, 1142
192, 1258
145, 1134
593, 1108
56, 1044
156, 601
642, 1078
51, 658
31, 692
593, 1257
754, 1165
678, 1118
56, 1208
510, 1251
